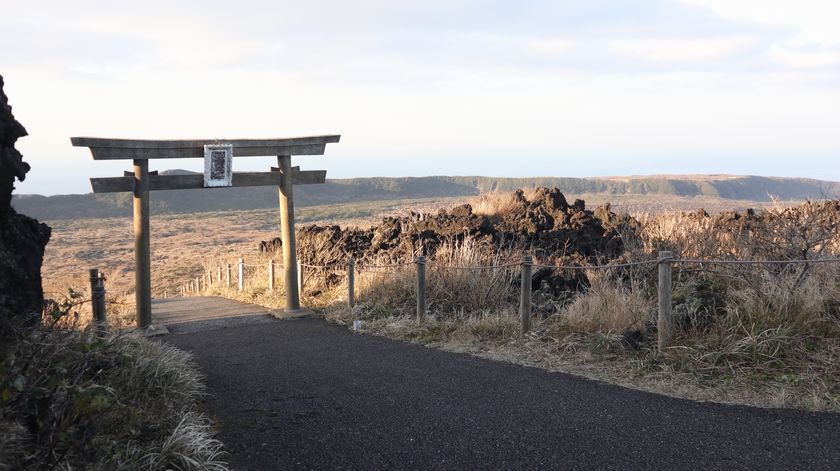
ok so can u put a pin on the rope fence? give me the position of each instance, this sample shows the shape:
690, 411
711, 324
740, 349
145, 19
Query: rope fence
243, 274
756, 262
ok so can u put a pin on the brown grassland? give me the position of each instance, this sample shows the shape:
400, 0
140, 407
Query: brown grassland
758, 335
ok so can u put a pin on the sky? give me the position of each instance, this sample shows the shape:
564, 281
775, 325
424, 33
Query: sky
433, 87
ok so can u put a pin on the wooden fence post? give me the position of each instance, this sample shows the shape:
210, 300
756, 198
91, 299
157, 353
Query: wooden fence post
219, 275
227, 275
421, 286
525, 294
271, 275
97, 295
351, 283
663, 322
241, 274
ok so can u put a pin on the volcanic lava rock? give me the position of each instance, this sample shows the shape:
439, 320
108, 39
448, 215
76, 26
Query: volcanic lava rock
546, 224
22, 239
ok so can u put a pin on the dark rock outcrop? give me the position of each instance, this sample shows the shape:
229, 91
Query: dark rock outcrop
22, 239
546, 225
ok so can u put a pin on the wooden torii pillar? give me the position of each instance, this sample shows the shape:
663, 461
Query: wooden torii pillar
141, 182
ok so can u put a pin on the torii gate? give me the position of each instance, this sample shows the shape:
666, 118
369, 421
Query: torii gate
217, 156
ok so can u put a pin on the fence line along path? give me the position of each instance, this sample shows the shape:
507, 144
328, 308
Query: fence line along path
664, 265
199, 313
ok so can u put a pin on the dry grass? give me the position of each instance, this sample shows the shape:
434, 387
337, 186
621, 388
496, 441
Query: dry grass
609, 307
72, 400
496, 203
755, 335
762, 335
181, 245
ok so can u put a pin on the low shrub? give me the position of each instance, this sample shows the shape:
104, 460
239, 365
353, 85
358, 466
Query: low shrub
72, 400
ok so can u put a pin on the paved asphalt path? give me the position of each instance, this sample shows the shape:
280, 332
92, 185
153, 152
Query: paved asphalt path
304, 394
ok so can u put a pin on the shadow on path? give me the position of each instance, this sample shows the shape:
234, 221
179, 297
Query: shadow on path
183, 315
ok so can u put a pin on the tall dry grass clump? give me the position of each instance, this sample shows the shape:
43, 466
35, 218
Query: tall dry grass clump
455, 283
609, 307
460, 280
804, 232
498, 203
70, 399
772, 322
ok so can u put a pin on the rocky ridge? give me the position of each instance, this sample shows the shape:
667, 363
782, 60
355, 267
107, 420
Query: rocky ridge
22, 239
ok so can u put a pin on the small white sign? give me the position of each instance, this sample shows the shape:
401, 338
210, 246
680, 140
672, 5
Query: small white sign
217, 165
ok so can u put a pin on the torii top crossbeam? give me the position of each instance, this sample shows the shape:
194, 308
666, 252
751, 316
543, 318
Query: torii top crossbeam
112, 149
141, 181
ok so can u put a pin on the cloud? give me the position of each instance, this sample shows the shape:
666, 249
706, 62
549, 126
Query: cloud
805, 56
686, 50
424, 81
814, 21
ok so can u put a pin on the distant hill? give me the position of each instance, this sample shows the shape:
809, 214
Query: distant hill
752, 188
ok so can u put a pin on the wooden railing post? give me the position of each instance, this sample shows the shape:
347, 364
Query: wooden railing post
241, 274
421, 287
351, 283
227, 275
271, 275
664, 321
219, 275
97, 295
525, 294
